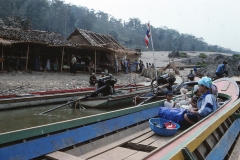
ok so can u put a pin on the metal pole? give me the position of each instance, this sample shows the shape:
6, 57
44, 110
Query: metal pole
62, 59
153, 50
95, 61
2, 56
27, 57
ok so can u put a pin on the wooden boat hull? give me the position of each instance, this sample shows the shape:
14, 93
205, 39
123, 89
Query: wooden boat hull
124, 134
111, 101
139, 99
66, 91
188, 85
37, 100
195, 136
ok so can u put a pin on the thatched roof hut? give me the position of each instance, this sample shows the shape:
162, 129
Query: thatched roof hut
28, 43
88, 38
14, 36
96, 41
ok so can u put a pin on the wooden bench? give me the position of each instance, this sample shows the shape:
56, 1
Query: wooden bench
62, 156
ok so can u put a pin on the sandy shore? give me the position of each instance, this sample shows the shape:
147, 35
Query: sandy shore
41, 81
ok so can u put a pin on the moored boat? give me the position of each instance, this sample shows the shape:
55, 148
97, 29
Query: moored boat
176, 90
66, 91
43, 98
119, 98
121, 134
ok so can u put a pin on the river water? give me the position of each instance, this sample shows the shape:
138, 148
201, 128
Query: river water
29, 117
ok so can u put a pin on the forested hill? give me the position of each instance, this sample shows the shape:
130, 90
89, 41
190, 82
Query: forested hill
57, 16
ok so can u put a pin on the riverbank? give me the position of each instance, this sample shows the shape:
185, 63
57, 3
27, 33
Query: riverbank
23, 82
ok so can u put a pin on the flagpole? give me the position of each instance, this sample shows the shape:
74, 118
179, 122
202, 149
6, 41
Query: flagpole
153, 50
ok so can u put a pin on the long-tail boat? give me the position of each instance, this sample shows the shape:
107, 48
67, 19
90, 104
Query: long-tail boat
49, 97
118, 98
125, 134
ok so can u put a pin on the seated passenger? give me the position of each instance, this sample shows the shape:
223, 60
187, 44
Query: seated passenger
191, 75
195, 97
92, 79
205, 105
169, 102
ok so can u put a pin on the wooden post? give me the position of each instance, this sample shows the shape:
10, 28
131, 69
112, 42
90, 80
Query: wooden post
68, 60
27, 57
2, 56
62, 59
95, 61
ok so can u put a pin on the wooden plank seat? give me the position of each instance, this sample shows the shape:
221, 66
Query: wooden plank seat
62, 156
117, 153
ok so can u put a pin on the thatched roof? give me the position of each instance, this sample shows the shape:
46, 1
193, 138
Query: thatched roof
32, 36
95, 39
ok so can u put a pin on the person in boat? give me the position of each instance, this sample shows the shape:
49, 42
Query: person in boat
191, 76
92, 79
164, 79
206, 104
195, 97
220, 71
169, 102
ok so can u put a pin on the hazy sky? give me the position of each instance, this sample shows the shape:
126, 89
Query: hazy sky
217, 21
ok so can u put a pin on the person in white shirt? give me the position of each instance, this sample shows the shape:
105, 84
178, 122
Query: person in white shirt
169, 102
73, 65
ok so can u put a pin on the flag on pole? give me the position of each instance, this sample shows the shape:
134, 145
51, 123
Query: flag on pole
147, 36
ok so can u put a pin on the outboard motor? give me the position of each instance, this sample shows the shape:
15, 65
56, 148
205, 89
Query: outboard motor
105, 86
161, 80
165, 79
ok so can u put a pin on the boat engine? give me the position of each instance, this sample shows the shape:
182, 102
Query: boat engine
105, 86
165, 79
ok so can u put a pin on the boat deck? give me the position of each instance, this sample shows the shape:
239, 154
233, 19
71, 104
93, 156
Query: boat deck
131, 143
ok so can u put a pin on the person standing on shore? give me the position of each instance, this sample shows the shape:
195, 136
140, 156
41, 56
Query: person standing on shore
122, 65
116, 65
136, 64
125, 65
140, 66
129, 66
73, 65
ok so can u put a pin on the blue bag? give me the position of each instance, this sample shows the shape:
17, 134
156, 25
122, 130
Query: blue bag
173, 114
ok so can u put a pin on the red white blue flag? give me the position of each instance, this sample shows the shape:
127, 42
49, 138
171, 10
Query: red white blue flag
148, 34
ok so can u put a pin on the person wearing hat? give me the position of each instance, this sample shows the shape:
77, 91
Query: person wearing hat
169, 102
92, 79
195, 97
206, 104
221, 70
